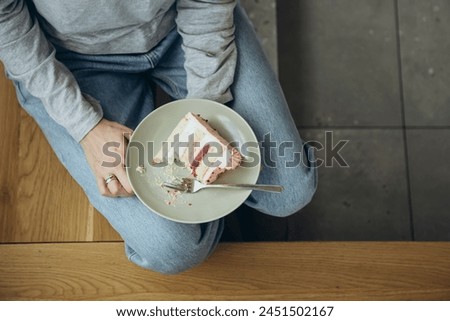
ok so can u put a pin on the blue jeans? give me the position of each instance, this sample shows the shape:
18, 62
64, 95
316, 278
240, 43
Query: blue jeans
122, 84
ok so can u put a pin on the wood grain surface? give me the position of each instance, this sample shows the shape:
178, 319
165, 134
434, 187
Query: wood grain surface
9, 142
39, 200
237, 271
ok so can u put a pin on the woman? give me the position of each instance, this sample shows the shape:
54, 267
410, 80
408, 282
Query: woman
83, 69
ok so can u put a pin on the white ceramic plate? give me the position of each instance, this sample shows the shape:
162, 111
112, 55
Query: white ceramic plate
205, 205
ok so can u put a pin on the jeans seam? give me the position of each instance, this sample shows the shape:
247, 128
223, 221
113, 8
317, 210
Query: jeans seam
150, 56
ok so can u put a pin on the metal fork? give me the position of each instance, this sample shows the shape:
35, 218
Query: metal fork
190, 185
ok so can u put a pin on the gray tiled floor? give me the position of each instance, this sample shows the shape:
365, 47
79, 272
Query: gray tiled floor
375, 73
429, 159
368, 200
425, 48
349, 78
338, 62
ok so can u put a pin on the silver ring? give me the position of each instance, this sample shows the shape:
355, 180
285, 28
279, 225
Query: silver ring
109, 178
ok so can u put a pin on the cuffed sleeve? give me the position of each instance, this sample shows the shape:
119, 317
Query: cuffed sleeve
30, 59
207, 29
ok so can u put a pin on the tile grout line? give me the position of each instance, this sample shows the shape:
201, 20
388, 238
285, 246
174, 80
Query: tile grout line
402, 103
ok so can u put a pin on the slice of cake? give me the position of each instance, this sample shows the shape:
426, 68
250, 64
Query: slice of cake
200, 148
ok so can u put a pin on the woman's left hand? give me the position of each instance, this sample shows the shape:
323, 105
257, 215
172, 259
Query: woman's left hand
111, 177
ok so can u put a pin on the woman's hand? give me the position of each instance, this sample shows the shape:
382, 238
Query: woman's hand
110, 135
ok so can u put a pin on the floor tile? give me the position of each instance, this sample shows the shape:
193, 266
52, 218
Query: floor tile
425, 46
368, 200
338, 62
429, 159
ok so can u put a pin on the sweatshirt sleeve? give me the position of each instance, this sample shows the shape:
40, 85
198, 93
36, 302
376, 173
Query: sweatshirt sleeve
207, 29
30, 59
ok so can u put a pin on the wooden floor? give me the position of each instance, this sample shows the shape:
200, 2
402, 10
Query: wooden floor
39, 201
237, 271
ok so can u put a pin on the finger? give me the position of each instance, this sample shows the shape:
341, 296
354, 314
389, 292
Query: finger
123, 179
103, 189
128, 134
121, 173
115, 187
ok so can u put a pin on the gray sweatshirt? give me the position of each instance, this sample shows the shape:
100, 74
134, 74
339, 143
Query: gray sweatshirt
113, 27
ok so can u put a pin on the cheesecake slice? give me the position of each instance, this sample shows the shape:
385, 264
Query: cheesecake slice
200, 148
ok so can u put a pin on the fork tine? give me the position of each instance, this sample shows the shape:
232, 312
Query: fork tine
178, 187
187, 183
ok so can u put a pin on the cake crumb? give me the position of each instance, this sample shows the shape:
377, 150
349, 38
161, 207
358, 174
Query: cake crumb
156, 161
140, 169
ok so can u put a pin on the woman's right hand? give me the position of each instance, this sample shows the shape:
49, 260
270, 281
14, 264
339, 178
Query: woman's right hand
114, 136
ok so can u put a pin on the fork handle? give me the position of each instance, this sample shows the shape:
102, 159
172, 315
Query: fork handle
255, 187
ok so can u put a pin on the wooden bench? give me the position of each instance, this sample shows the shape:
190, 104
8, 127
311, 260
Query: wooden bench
236, 271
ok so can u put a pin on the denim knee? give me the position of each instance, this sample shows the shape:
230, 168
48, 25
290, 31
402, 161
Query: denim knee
175, 257
169, 260
302, 191
303, 195
298, 193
